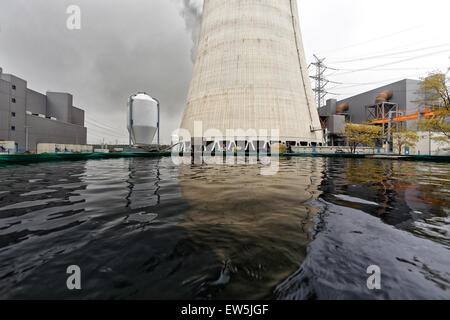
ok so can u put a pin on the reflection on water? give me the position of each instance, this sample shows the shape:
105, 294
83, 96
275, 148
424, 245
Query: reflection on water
145, 228
256, 226
404, 191
391, 214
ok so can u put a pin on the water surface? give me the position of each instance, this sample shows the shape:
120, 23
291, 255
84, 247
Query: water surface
147, 229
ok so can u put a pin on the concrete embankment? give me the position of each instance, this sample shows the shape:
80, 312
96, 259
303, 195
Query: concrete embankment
33, 158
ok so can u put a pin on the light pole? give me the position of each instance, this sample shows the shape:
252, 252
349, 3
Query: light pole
429, 142
26, 137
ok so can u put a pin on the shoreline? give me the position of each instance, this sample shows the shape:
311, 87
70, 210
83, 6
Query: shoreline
45, 157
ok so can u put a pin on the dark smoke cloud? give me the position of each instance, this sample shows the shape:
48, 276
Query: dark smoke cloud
191, 11
122, 47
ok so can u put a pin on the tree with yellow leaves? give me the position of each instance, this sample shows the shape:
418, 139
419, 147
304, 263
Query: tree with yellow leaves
404, 137
361, 134
435, 96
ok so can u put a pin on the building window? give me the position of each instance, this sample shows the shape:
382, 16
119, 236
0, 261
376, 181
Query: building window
14, 87
13, 100
13, 114
13, 128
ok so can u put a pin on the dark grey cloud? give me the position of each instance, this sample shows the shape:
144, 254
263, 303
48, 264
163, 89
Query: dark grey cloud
126, 46
122, 47
191, 11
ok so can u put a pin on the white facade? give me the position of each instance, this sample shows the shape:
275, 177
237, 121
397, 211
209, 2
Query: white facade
250, 72
429, 146
63, 148
7, 147
144, 119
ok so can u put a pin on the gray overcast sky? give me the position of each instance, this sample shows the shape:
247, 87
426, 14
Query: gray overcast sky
127, 46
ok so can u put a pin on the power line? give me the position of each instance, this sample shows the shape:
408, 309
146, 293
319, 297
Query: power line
104, 126
347, 84
114, 131
395, 62
410, 44
104, 123
385, 69
391, 54
352, 85
104, 131
92, 132
375, 39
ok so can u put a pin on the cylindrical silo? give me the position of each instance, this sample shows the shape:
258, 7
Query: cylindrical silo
142, 118
250, 71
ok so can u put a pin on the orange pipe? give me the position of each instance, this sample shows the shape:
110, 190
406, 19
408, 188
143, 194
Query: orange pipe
415, 116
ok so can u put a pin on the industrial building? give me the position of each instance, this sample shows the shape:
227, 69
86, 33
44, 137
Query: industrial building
250, 73
29, 118
392, 100
389, 105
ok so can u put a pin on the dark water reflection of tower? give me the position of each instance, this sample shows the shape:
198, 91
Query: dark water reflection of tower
257, 227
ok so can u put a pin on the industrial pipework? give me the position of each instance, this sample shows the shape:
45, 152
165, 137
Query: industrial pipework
342, 108
384, 97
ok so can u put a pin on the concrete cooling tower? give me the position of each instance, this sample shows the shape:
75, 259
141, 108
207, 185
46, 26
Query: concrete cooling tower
250, 72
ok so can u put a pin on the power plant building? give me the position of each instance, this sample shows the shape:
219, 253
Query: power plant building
393, 105
393, 100
250, 73
28, 118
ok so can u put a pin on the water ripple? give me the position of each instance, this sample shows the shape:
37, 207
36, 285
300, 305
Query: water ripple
145, 228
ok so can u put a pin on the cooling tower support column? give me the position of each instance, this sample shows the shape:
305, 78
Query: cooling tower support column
250, 72
130, 119
159, 117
